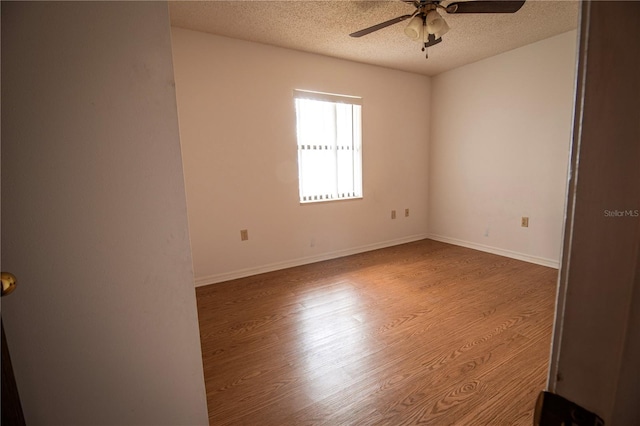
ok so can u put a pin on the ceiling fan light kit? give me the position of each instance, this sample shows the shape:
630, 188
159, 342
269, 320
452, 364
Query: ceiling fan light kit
436, 25
429, 26
414, 29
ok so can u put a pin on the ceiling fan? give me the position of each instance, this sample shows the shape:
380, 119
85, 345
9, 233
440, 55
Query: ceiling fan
427, 24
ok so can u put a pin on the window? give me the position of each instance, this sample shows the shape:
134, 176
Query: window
329, 146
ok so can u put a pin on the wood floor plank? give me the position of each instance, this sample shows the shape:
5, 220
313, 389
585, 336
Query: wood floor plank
421, 333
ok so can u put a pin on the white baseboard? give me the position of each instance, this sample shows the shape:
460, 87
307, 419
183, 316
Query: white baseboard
494, 250
232, 275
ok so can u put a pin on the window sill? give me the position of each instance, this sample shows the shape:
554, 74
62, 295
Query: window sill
303, 203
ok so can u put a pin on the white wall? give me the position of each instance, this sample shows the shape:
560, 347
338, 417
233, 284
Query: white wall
237, 127
500, 137
103, 325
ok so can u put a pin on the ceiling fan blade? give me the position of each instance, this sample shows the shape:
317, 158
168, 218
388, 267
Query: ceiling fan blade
380, 26
432, 40
485, 6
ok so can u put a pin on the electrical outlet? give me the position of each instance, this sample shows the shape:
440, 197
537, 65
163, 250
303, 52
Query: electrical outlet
244, 235
525, 222
406, 212
393, 214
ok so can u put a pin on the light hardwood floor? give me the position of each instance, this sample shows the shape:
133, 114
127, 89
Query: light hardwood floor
422, 333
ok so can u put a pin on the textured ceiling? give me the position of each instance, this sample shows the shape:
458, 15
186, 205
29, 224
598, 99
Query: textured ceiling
323, 27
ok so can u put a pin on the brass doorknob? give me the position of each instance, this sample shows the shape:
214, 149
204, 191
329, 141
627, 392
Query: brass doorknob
8, 283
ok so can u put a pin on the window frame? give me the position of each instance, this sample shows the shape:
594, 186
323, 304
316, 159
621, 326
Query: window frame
356, 181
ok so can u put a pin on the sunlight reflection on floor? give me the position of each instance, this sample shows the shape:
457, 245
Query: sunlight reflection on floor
325, 315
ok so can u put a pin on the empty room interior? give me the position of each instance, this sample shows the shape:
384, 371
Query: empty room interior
319, 212
438, 304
